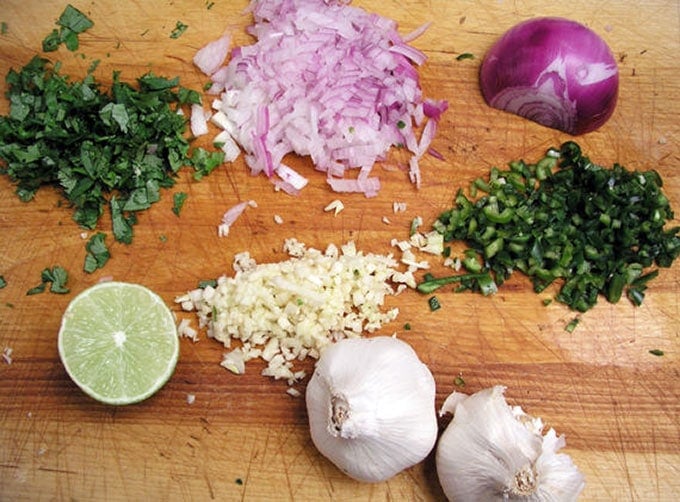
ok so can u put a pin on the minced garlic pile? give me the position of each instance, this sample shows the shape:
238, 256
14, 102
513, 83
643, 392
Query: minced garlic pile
283, 312
289, 310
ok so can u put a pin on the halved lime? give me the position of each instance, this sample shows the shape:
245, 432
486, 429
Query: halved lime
118, 342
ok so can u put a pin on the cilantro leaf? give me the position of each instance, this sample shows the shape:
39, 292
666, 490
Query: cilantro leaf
40, 288
178, 201
71, 23
97, 253
74, 20
52, 41
205, 162
122, 224
56, 276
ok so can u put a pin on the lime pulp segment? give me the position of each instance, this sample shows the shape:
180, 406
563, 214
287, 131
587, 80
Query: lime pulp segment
118, 342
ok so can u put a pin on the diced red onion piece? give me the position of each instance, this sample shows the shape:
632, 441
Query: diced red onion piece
417, 32
231, 216
210, 57
198, 120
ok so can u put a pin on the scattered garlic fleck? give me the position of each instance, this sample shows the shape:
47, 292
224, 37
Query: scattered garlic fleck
191, 398
663, 140
293, 392
277, 219
335, 206
234, 361
454, 263
83, 235
386, 220
185, 330
398, 207
401, 245
7, 355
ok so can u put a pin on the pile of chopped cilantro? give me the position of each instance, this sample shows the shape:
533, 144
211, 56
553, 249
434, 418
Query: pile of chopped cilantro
592, 229
117, 148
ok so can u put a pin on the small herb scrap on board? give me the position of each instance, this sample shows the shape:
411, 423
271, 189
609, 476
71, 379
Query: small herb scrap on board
56, 277
72, 23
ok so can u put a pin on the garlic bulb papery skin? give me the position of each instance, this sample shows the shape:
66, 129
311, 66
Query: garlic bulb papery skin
371, 407
494, 452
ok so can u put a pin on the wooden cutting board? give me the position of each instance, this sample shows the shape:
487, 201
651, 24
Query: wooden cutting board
244, 438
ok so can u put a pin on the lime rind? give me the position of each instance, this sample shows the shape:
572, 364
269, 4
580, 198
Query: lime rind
118, 342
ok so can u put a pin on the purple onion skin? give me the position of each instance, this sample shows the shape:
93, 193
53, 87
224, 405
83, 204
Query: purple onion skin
553, 71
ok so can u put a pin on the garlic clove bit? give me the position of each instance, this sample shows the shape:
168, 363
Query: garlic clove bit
371, 409
494, 452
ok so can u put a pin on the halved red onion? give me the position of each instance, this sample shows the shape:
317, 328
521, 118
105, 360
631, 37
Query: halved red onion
553, 71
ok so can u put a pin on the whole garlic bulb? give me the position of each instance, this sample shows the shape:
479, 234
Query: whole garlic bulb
371, 407
494, 452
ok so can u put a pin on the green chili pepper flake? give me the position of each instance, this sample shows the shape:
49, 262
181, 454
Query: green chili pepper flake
3, 282
434, 303
571, 325
407, 326
3, 28
179, 29
163, 238
178, 201
401, 124
458, 381
597, 231
465, 55
207, 283
239, 481
656, 352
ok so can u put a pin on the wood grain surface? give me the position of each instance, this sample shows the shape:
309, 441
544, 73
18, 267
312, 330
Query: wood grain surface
244, 438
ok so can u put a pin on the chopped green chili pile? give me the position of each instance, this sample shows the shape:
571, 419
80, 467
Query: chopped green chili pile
592, 229
116, 148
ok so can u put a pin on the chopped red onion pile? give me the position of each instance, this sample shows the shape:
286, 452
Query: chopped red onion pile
325, 80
